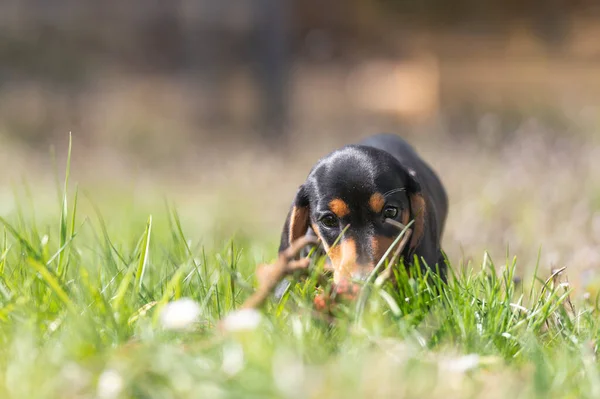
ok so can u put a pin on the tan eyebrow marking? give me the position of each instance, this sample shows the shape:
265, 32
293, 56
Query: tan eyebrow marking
339, 207
376, 202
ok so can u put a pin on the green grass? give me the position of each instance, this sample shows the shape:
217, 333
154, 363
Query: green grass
81, 295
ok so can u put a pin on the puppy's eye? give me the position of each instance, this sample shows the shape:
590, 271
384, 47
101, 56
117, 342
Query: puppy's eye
329, 221
390, 212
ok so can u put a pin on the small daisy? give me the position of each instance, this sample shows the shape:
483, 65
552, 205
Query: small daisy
242, 320
110, 384
180, 314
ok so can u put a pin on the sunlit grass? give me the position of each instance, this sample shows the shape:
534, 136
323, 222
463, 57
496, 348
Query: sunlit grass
82, 307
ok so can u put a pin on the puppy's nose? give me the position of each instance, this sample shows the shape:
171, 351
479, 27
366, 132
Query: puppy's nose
346, 290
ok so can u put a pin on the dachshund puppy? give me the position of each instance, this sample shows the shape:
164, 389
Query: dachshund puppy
353, 190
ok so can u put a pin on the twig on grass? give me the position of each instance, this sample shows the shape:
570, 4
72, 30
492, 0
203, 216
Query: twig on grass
270, 275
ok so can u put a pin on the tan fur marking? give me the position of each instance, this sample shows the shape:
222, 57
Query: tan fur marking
376, 202
318, 233
339, 207
417, 203
298, 223
343, 258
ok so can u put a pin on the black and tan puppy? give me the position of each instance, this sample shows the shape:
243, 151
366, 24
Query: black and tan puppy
358, 187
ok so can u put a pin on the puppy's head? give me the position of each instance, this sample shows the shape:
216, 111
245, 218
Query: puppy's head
349, 194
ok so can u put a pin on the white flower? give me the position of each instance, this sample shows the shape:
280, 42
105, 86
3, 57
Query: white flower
240, 320
180, 314
461, 364
110, 384
54, 325
233, 359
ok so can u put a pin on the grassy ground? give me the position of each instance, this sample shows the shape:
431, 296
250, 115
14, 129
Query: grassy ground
95, 287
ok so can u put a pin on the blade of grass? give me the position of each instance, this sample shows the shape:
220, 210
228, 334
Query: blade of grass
535, 273
32, 216
5, 249
233, 260
144, 251
109, 247
22, 240
64, 212
173, 288
123, 287
364, 293
53, 282
202, 279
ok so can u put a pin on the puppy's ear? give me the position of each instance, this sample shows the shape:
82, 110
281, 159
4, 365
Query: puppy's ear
418, 209
297, 221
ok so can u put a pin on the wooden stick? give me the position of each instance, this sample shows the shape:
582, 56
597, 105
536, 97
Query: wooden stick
270, 275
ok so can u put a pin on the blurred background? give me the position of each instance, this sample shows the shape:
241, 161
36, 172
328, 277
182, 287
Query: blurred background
223, 106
